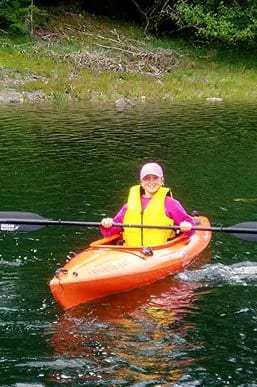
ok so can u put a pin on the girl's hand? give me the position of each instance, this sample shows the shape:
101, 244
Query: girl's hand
107, 222
185, 226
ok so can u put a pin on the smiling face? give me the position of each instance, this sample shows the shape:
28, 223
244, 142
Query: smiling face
151, 184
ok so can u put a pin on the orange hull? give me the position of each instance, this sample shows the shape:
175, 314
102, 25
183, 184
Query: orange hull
104, 269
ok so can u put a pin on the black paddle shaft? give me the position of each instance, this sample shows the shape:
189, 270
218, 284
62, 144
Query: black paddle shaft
27, 221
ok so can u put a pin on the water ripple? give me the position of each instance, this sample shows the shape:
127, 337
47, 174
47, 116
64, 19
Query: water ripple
218, 273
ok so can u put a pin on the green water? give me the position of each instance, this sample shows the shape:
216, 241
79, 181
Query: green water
198, 329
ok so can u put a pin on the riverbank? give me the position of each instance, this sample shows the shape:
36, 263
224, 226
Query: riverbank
83, 58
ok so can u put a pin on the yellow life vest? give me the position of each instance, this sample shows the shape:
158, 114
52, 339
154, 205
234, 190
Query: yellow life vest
153, 214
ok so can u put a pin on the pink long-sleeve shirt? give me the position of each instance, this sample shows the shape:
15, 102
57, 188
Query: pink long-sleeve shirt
173, 210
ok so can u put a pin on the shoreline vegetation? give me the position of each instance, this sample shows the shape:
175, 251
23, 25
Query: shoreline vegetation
84, 58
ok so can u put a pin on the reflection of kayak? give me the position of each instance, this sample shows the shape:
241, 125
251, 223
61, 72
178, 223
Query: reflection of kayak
169, 295
125, 335
106, 267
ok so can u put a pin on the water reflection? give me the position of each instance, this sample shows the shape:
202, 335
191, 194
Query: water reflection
129, 336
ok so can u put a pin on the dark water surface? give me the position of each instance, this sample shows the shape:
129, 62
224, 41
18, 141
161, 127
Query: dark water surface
198, 329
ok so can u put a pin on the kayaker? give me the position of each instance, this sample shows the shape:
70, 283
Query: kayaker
149, 203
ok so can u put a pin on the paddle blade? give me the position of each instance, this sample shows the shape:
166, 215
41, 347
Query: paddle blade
9, 221
246, 231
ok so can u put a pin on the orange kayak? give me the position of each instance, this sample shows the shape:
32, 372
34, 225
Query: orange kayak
106, 267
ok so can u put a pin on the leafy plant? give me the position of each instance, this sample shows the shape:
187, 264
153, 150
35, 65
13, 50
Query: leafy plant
232, 22
18, 17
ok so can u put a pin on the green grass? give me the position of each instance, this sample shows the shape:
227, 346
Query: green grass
51, 62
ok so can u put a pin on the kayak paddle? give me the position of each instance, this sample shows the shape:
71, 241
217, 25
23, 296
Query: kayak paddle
27, 221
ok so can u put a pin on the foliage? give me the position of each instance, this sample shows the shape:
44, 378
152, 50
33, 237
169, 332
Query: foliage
230, 21
226, 21
18, 17
13, 15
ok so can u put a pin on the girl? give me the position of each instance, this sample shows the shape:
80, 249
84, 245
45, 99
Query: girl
149, 203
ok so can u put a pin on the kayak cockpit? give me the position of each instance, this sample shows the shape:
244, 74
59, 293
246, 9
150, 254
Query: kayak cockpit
115, 242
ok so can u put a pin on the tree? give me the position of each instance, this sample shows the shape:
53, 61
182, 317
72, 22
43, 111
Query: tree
17, 16
231, 22
227, 21
13, 15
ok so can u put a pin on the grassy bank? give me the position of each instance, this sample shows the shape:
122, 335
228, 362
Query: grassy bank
85, 58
